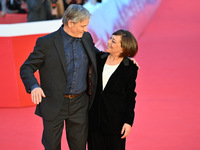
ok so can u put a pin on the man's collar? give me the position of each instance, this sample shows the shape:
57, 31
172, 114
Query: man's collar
68, 37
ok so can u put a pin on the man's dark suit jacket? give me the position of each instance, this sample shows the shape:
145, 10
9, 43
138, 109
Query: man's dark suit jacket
114, 106
49, 58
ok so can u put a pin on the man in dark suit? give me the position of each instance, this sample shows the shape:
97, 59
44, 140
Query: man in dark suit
66, 62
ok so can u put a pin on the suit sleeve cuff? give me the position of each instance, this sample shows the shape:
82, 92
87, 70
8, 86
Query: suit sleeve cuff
34, 86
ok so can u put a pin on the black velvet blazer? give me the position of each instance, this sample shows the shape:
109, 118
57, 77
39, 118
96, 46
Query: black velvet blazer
114, 106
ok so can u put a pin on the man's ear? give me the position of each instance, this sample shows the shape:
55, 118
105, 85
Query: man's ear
70, 23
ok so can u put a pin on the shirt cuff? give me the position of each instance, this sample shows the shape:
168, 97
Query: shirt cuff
34, 86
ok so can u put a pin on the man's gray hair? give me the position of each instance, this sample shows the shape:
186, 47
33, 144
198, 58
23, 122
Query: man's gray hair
76, 13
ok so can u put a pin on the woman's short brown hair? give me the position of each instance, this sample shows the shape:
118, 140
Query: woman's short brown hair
128, 43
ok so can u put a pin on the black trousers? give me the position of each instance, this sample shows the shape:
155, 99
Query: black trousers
74, 113
98, 140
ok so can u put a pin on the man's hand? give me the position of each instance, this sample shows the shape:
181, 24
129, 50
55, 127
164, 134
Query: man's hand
36, 95
125, 130
134, 61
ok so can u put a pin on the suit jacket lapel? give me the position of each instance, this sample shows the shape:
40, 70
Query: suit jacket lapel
58, 40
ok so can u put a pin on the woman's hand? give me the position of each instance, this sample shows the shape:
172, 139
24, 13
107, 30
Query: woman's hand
125, 130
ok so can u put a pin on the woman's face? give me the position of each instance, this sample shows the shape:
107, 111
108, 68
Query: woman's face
114, 45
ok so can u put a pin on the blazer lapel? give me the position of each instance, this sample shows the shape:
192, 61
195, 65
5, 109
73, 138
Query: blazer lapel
58, 40
117, 73
100, 70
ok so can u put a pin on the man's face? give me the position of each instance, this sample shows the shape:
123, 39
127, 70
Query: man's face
77, 29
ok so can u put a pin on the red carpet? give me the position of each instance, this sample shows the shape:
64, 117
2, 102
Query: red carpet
167, 110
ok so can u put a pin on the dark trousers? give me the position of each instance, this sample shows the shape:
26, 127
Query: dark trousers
74, 113
98, 140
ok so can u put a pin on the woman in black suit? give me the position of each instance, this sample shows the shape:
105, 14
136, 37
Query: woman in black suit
112, 113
